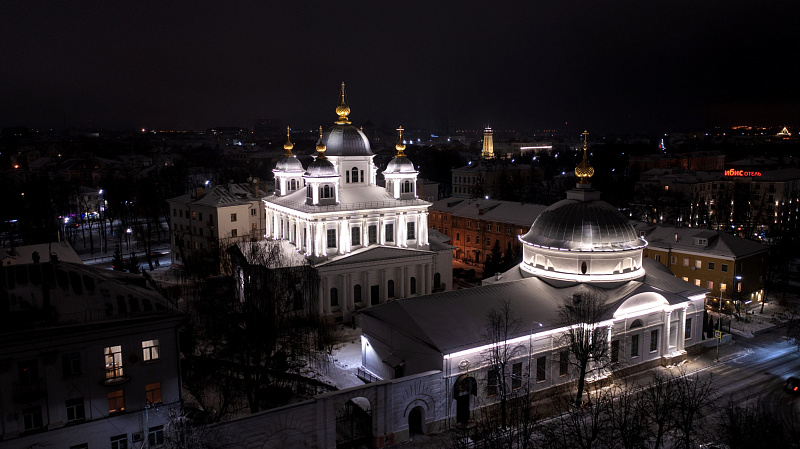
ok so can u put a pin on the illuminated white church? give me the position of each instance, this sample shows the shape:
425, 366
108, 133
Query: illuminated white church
369, 243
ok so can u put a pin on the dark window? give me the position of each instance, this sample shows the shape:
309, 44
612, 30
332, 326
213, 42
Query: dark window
32, 418
653, 340
119, 442
331, 238
516, 376
563, 363
410, 230
390, 232
375, 294
635, 346
614, 351
357, 293
413, 283
711, 265
155, 436
390, 289
362, 175
355, 236
373, 234
437, 280
688, 332
233, 218
492, 385
75, 410
71, 364
334, 297
541, 369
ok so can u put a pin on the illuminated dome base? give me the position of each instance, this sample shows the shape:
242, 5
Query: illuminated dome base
582, 266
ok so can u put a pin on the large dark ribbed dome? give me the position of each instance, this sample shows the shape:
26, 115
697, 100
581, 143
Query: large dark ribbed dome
590, 225
346, 140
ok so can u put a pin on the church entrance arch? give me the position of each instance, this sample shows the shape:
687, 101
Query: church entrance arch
464, 388
354, 424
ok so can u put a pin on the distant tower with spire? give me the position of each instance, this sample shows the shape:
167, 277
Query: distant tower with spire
488, 144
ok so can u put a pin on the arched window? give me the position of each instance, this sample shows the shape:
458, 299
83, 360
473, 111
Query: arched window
357, 293
406, 187
413, 283
326, 191
437, 280
309, 192
390, 289
292, 185
583, 267
458, 237
635, 324
334, 297
354, 175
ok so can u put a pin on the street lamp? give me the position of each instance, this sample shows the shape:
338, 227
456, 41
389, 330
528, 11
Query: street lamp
128, 238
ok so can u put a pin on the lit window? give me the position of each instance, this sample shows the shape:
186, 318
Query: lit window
697, 282
723, 287
150, 350
116, 401
739, 287
152, 393
685, 261
113, 361
710, 285
698, 264
686, 279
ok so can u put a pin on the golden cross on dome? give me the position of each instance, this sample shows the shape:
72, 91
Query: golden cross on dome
343, 110
321, 146
288, 145
400, 147
584, 171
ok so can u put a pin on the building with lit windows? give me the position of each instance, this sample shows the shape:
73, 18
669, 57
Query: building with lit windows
89, 357
729, 267
370, 244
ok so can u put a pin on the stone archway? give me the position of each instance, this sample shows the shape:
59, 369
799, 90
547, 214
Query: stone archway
416, 421
464, 388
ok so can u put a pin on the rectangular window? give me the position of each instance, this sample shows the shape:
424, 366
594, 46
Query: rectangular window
372, 233
180, 213
234, 232
152, 393
119, 442
516, 376
685, 279
355, 236
698, 264
738, 287
389, 231
687, 334
697, 282
331, 238
724, 268
614, 351
233, 218
723, 287
75, 410
654, 340
194, 215
150, 350
200, 216
113, 356
469, 224
174, 212
710, 285
541, 369
685, 261
711, 265
634, 346
155, 436
71, 364
492, 386
362, 175
673, 260
657, 257
116, 401
410, 231
563, 363
32, 418
347, 176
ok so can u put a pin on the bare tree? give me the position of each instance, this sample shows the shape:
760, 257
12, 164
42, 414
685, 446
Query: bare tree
693, 394
585, 339
628, 427
501, 325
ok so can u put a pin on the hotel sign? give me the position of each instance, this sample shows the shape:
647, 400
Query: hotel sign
741, 173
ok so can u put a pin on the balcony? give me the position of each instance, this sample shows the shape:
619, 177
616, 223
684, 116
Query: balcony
29, 391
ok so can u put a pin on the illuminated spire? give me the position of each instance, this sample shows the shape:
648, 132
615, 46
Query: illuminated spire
288, 145
321, 146
400, 147
488, 144
343, 110
584, 171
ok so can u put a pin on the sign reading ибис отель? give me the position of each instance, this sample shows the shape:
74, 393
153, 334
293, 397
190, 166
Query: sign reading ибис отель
741, 173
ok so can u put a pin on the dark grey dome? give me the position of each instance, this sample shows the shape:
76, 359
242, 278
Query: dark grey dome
400, 165
321, 168
346, 140
583, 226
289, 163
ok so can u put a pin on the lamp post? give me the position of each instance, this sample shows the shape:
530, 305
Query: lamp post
530, 354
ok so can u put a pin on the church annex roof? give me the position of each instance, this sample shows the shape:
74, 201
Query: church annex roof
373, 254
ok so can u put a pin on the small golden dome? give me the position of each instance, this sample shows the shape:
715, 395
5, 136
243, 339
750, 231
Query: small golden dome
584, 171
400, 147
343, 110
321, 146
288, 145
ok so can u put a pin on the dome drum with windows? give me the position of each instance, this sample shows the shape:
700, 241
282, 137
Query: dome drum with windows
583, 239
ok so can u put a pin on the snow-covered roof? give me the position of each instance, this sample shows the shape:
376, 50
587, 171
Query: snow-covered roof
24, 254
718, 243
351, 198
511, 212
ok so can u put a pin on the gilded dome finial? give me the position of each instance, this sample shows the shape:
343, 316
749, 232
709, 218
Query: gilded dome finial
584, 171
321, 146
400, 147
342, 110
288, 145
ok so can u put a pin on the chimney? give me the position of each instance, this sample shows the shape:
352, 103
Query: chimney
255, 186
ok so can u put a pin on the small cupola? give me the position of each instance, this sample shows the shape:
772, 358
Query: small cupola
400, 174
288, 170
322, 180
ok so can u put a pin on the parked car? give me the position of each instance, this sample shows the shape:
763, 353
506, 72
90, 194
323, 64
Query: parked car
792, 385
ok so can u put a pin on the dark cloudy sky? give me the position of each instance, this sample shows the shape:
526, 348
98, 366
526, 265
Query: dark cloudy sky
606, 65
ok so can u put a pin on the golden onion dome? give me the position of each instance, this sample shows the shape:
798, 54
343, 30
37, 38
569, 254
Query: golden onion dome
321, 146
288, 145
584, 171
342, 110
400, 147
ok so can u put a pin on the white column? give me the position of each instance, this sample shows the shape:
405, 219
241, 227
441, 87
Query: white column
382, 287
681, 329
422, 269
401, 284
315, 193
347, 293
668, 319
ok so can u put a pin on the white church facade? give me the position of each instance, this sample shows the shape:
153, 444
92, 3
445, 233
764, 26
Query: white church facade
370, 244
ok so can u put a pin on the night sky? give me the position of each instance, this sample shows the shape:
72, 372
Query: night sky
603, 65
